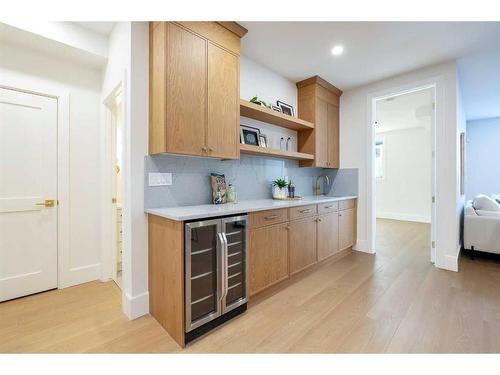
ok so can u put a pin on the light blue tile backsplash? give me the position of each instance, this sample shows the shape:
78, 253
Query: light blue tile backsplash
250, 175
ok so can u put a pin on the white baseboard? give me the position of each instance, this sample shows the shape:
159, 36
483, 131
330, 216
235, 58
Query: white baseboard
135, 306
362, 245
450, 262
404, 217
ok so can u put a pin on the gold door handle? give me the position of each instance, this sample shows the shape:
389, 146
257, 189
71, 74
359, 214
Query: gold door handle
47, 203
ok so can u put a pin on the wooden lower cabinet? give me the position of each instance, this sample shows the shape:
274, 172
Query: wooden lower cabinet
268, 253
347, 228
328, 235
283, 242
302, 244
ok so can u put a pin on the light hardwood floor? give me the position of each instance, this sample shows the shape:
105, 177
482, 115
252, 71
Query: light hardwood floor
395, 301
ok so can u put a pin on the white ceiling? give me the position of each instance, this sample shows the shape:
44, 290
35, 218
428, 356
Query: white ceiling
377, 50
103, 28
404, 111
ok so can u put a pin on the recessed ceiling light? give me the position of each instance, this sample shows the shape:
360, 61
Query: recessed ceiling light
337, 50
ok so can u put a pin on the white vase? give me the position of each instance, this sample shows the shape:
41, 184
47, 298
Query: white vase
280, 193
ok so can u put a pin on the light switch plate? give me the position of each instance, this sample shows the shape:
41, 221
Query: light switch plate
160, 179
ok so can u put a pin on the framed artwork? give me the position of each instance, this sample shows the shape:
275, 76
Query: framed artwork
249, 135
287, 109
262, 140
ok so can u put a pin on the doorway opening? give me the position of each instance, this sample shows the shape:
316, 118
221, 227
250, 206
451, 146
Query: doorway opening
114, 104
404, 172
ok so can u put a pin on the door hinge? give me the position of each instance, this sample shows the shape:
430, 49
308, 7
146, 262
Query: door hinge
433, 244
433, 199
434, 106
113, 200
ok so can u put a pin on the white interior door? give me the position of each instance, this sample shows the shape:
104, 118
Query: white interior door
28, 177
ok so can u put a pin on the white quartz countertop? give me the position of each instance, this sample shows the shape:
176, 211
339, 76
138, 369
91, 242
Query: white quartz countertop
184, 213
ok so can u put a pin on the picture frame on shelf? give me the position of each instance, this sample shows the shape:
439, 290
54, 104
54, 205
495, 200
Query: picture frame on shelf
276, 108
249, 135
262, 140
287, 109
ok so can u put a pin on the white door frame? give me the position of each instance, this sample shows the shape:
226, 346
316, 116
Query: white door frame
108, 250
63, 187
436, 85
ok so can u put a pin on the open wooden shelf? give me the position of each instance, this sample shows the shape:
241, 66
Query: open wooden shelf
265, 114
263, 151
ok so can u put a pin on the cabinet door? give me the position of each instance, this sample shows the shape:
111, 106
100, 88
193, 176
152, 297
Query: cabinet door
302, 240
328, 235
268, 252
333, 136
186, 92
347, 228
223, 103
321, 131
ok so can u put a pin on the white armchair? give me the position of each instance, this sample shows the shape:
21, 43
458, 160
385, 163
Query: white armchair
481, 229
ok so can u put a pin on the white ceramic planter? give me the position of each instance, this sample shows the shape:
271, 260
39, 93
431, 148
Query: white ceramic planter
280, 193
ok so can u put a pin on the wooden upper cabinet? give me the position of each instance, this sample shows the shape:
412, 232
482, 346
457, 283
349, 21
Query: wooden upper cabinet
186, 92
223, 103
318, 102
194, 88
321, 134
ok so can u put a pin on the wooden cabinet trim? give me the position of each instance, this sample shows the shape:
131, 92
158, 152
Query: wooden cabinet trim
207, 30
234, 27
320, 81
166, 274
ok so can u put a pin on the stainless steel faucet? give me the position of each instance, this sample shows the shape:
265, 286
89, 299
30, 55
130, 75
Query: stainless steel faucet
317, 190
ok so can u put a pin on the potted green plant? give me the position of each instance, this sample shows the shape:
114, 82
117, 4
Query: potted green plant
258, 101
280, 190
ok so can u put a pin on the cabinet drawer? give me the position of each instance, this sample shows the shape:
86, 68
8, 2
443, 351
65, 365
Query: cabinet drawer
263, 218
303, 211
324, 208
345, 205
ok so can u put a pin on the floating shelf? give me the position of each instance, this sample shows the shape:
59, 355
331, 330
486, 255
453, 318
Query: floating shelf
264, 151
265, 114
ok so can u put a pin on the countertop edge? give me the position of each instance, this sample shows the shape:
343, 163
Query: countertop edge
160, 211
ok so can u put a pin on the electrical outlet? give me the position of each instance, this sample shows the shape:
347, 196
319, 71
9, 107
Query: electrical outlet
160, 179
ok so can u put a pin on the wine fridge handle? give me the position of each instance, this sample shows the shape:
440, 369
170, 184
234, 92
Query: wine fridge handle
225, 280
221, 273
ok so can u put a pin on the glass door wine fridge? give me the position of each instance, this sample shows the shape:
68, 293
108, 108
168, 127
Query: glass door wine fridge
216, 263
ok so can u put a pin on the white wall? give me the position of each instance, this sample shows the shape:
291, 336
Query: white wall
483, 157
405, 191
256, 79
355, 128
269, 86
27, 69
128, 62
